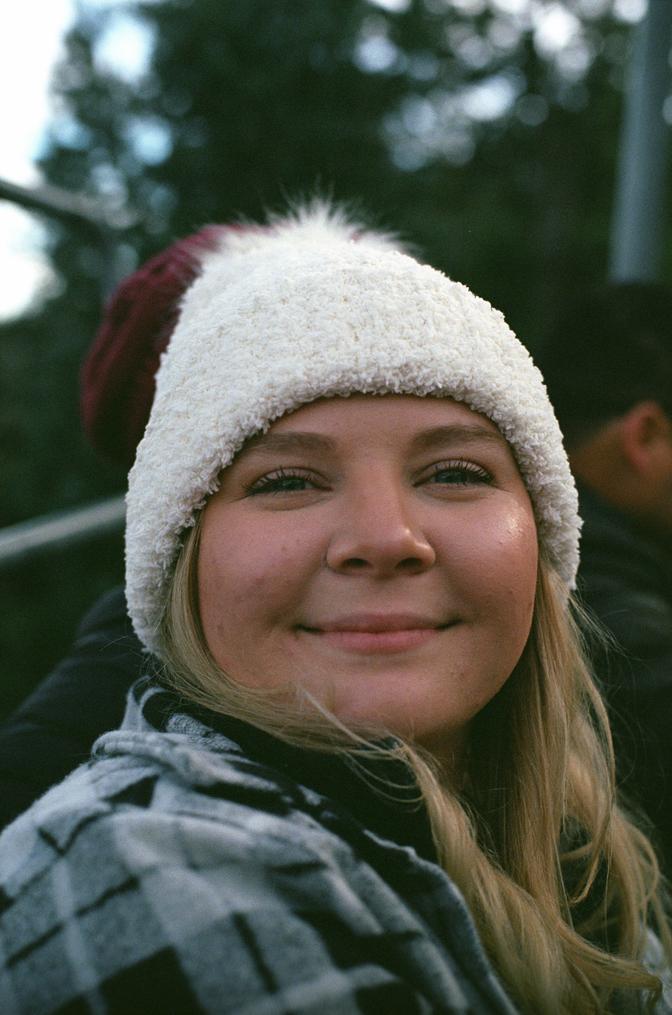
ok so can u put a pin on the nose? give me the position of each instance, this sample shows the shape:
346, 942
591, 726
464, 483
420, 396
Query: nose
379, 533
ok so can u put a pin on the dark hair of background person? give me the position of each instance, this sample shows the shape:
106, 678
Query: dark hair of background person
609, 350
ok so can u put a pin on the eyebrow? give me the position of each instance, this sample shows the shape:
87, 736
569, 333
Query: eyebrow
427, 440
462, 433
296, 441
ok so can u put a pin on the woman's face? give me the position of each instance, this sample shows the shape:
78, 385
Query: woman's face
381, 552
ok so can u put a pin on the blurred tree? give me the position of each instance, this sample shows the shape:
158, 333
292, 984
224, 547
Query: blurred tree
484, 130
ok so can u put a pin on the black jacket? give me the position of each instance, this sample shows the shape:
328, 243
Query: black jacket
625, 580
53, 730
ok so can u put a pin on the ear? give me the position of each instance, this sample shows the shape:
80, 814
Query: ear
646, 438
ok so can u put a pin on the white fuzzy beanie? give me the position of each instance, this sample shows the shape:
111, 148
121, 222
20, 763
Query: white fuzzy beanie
314, 306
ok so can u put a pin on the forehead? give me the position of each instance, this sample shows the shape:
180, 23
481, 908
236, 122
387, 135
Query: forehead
396, 414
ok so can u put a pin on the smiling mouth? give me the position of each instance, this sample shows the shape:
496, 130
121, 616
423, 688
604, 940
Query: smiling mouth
377, 635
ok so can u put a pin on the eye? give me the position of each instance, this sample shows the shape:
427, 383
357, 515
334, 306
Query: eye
283, 481
458, 473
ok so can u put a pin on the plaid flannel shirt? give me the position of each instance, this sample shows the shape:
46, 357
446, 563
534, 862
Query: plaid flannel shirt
207, 867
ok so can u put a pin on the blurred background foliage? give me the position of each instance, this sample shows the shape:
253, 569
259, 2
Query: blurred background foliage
485, 131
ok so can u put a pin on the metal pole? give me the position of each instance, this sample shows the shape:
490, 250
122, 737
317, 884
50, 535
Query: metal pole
637, 233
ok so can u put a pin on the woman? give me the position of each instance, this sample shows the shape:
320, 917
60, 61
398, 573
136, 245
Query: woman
372, 773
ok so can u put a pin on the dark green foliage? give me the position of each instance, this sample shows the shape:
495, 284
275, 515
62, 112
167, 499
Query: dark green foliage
255, 101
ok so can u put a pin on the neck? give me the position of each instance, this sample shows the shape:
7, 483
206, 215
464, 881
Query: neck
448, 752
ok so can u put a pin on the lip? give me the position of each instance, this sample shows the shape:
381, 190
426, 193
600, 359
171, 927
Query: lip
376, 623
373, 633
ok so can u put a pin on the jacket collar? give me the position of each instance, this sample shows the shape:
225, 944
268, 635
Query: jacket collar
380, 795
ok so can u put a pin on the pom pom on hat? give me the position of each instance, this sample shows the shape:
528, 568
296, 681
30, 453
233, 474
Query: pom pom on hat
314, 306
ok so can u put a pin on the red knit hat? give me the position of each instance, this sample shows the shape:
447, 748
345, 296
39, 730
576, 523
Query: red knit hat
117, 376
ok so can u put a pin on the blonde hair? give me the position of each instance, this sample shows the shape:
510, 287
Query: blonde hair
561, 885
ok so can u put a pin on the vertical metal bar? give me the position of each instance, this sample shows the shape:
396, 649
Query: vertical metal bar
637, 230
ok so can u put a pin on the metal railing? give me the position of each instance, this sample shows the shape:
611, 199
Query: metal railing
108, 223
105, 221
63, 528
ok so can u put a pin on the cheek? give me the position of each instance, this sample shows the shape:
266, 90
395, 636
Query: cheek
519, 559
250, 575
500, 561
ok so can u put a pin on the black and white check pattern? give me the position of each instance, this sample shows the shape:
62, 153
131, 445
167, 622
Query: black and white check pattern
190, 869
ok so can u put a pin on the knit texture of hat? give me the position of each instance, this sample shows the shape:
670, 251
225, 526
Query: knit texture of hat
314, 307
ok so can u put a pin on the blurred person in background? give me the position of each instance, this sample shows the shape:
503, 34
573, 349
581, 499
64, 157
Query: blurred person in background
608, 368
368, 769
54, 729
